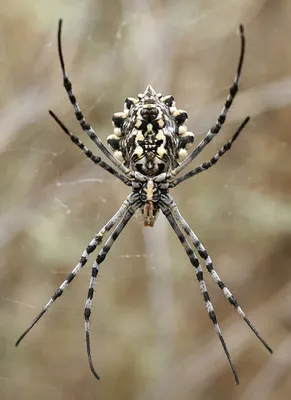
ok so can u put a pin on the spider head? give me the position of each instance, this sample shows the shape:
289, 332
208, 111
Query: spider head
150, 135
149, 191
149, 194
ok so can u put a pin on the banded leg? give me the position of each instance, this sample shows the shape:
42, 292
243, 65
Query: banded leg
209, 265
83, 260
222, 117
95, 269
206, 165
199, 274
78, 113
96, 160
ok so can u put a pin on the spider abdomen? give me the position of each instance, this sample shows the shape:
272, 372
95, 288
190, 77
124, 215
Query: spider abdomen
150, 135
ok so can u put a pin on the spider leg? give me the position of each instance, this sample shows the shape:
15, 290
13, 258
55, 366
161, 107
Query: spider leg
78, 113
97, 160
199, 274
83, 260
221, 119
95, 269
209, 265
206, 165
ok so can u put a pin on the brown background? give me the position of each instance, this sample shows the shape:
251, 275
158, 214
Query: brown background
151, 336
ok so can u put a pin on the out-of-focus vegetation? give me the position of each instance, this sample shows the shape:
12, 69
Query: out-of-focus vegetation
151, 336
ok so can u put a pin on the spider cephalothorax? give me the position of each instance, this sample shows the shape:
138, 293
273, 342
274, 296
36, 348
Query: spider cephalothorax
150, 135
150, 194
149, 144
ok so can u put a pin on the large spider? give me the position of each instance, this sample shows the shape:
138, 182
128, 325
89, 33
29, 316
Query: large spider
149, 144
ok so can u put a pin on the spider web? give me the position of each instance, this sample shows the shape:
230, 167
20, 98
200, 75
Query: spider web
150, 334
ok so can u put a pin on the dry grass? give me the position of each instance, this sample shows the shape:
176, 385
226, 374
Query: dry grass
152, 338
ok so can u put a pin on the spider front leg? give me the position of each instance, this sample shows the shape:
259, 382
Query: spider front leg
199, 274
78, 113
222, 117
206, 165
95, 269
209, 265
131, 199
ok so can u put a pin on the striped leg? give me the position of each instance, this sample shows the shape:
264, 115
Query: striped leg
221, 119
95, 269
209, 265
78, 113
199, 274
83, 260
88, 153
206, 165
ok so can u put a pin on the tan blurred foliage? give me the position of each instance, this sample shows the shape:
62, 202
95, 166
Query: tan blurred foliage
151, 336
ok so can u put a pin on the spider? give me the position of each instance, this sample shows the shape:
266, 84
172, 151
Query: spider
149, 149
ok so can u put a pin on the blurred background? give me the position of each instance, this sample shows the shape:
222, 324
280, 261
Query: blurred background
151, 335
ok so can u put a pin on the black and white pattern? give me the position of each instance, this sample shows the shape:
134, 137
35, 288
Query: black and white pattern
150, 144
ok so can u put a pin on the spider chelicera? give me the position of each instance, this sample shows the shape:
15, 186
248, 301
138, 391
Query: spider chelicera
149, 144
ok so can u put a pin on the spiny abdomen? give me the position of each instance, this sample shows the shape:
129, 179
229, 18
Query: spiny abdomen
150, 135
